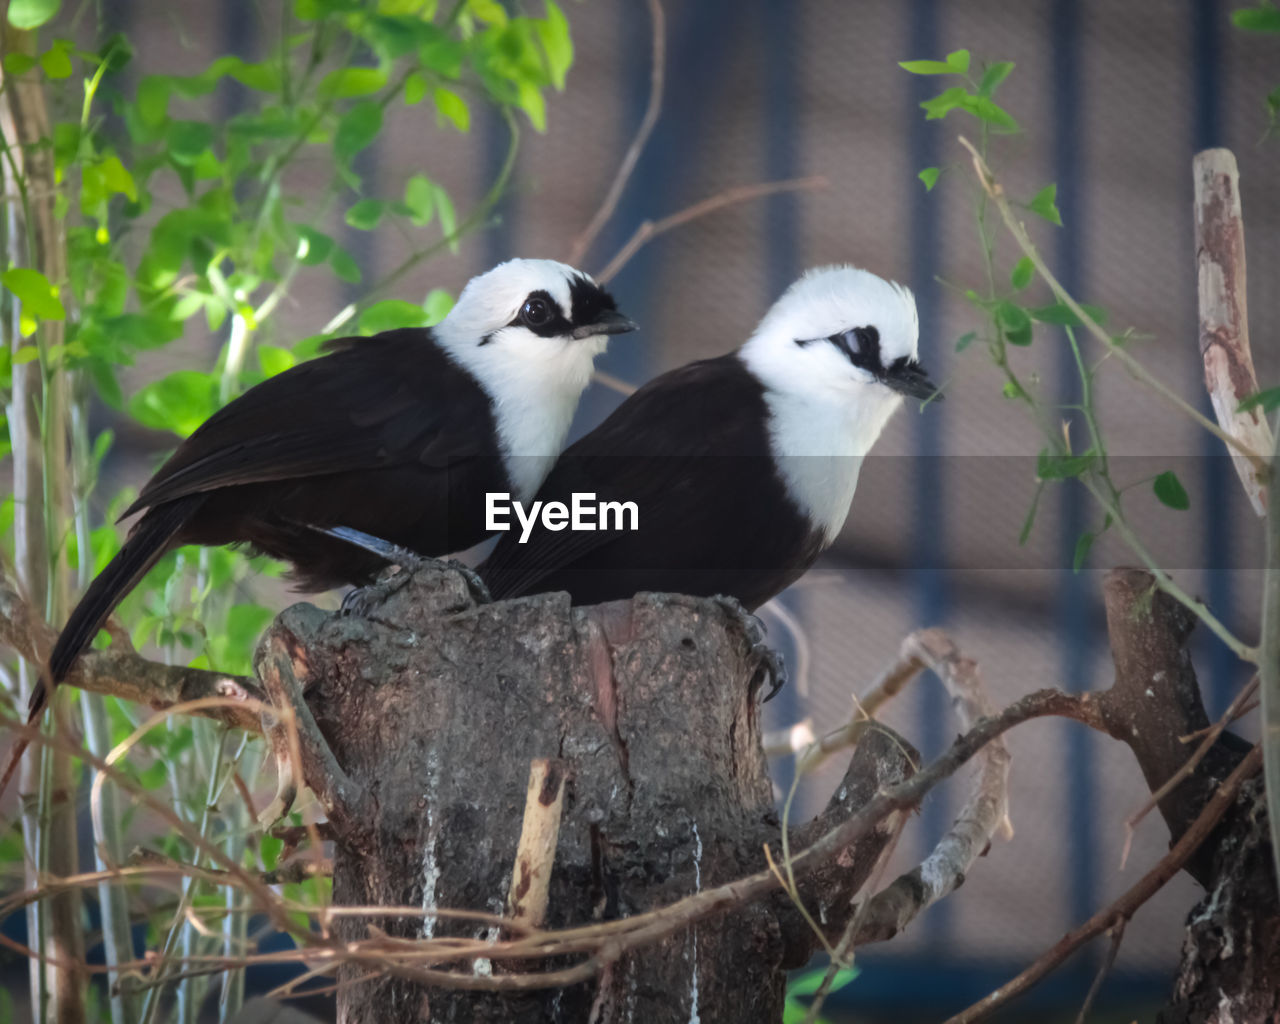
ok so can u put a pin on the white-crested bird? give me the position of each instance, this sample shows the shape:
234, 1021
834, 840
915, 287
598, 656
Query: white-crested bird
742, 467
398, 437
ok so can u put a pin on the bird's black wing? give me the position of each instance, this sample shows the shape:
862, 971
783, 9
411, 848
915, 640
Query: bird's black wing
682, 448
392, 399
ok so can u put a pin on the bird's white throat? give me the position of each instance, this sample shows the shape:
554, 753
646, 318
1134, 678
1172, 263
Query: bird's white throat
818, 445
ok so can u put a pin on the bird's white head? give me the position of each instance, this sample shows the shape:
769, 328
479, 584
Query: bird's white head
841, 332
836, 354
528, 331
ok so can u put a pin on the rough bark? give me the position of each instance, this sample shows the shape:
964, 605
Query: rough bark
435, 709
1230, 968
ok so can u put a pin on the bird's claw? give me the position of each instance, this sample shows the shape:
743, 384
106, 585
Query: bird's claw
771, 667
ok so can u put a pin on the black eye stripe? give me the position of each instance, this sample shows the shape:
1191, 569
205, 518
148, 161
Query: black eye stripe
554, 325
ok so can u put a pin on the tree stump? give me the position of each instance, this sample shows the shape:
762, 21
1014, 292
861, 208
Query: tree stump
434, 707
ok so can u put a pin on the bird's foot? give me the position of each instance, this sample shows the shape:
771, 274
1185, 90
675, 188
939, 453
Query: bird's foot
771, 668
359, 601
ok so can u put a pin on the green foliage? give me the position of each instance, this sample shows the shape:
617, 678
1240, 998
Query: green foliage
1168, 488
1267, 400
807, 983
1011, 323
177, 220
1264, 19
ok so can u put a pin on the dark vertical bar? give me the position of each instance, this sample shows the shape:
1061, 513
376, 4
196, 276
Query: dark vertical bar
928, 530
499, 234
1075, 595
779, 36
1218, 485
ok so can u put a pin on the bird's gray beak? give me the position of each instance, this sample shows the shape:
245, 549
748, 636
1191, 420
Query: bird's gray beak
911, 380
610, 322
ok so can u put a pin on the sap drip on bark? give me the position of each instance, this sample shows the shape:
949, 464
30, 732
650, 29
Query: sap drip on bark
434, 708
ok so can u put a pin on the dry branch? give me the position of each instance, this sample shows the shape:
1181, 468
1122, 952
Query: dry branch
651, 229
1224, 313
657, 77
536, 851
125, 674
1123, 908
983, 815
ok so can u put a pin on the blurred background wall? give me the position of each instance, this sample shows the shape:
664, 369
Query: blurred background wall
1114, 99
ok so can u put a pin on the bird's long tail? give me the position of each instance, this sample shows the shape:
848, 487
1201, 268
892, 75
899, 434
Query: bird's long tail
148, 541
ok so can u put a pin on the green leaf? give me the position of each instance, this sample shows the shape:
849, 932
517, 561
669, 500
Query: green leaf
116, 178
965, 340
454, 107
448, 219
344, 266
1024, 270
18, 63
1170, 491
958, 61
1257, 19
348, 82
1062, 467
314, 246
1083, 543
930, 177
489, 11
187, 140
945, 102
436, 306
553, 33
810, 981
1015, 323
357, 129
56, 61
179, 402
26, 354
926, 67
365, 214
153, 99
420, 197
993, 75
29, 14
390, 314
1045, 204
415, 89
986, 109
1267, 401
39, 298
1063, 316
275, 360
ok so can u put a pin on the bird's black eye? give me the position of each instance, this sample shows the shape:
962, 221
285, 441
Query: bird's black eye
535, 312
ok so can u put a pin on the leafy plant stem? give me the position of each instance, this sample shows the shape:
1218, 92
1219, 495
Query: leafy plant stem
477, 215
1134, 366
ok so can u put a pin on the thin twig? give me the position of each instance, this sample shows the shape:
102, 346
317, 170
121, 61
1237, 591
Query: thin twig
1117, 936
1124, 907
651, 229
657, 76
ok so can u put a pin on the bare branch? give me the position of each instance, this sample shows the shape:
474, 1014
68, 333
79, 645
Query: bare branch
536, 852
985, 813
657, 76
125, 674
1123, 908
1229, 376
651, 229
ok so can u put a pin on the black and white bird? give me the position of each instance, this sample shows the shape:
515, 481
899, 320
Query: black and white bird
743, 467
397, 437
